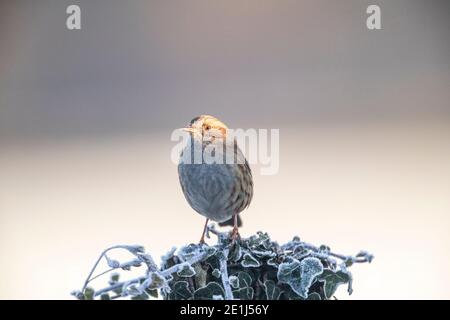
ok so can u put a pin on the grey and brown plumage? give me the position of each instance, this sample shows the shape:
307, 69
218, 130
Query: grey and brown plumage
217, 190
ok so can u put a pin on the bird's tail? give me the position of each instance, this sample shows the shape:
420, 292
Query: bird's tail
230, 222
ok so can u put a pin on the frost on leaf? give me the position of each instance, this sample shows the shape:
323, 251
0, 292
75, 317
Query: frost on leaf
249, 261
273, 262
132, 263
263, 253
105, 296
78, 294
250, 268
114, 278
245, 280
234, 281
300, 275
333, 280
157, 281
314, 296
134, 249
243, 293
180, 291
189, 251
168, 255
272, 291
235, 252
365, 255
134, 292
216, 273
114, 264
89, 293
210, 251
186, 270
244, 290
200, 275
209, 291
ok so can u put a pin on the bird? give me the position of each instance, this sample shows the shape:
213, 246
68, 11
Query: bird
217, 190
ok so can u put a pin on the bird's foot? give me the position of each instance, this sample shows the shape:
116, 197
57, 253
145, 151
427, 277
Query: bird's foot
235, 235
202, 239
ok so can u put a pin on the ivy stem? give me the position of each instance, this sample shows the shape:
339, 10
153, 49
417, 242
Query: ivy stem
88, 279
164, 273
224, 273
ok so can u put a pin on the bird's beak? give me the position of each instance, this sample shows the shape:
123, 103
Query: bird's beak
188, 129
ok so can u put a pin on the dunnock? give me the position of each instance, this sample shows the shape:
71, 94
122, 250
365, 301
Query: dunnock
218, 190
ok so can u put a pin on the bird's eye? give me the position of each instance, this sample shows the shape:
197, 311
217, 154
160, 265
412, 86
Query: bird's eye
207, 127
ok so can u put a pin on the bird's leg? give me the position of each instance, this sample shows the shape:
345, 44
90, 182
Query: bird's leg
235, 232
202, 239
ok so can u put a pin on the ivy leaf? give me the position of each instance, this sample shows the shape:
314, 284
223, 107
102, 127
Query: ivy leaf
134, 249
300, 275
168, 255
272, 291
78, 294
235, 252
148, 260
152, 293
245, 280
314, 296
234, 282
243, 293
133, 263
105, 296
200, 275
142, 296
264, 253
89, 293
209, 291
186, 270
210, 251
349, 261
261, 240
332, 280
324, 249
133, 291
365, 255
216, 273
189, 251
273, 262
243, 283
213, 262
114, 278
220, 255
250, 261
180, 291
156, 281
118, 291
114, 264
264, 238
291, 294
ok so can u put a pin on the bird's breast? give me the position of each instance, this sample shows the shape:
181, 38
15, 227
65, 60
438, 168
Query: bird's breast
216, 190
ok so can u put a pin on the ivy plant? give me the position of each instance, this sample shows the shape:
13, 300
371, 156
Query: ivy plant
253, 268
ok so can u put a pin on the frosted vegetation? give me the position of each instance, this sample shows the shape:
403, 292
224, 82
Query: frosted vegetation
255, 268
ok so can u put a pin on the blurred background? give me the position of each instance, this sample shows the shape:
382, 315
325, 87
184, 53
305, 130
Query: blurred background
86, 118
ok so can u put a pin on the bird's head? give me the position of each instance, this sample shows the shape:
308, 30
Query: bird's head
207, 128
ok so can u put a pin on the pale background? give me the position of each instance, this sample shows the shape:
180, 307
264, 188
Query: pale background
86, 118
